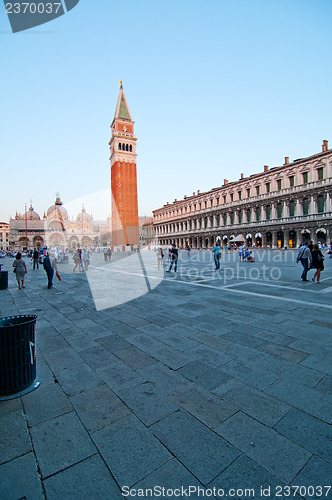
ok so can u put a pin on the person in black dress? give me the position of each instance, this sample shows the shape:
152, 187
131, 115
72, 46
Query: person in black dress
317, 262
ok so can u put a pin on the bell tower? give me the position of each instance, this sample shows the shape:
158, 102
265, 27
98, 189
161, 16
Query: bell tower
123, 176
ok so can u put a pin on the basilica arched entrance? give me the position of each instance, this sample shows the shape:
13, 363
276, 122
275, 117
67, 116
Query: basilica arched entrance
38, 242
74, 243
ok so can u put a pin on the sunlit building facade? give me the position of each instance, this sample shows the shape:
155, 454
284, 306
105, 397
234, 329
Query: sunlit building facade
56, 228
281, 206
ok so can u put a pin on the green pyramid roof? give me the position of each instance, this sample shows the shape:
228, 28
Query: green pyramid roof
123, 110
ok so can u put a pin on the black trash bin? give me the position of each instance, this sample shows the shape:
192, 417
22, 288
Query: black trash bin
3, 280
17, 356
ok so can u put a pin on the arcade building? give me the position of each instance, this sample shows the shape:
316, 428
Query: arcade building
281, 206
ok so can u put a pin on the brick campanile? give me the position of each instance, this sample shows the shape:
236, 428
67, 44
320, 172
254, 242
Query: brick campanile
123, 176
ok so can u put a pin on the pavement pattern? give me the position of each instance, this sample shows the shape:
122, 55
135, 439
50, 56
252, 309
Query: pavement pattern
206, 383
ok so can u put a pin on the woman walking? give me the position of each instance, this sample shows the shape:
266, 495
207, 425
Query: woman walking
20, 269
317, 262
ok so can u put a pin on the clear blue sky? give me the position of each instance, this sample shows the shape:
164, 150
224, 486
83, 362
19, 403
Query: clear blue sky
216, 88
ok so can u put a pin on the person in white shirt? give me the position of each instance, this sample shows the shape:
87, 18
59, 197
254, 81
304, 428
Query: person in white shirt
304, 256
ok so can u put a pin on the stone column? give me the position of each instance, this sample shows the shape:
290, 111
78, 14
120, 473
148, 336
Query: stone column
263, 212
263, 239
286, 208
274, 239
312, 205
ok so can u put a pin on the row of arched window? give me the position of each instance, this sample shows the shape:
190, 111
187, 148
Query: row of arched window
222, 219
125, 147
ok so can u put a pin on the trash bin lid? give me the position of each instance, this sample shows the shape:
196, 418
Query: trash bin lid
11, 321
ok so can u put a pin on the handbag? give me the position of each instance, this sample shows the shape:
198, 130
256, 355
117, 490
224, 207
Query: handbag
14, 270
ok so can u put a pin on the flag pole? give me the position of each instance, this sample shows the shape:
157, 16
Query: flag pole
26, 227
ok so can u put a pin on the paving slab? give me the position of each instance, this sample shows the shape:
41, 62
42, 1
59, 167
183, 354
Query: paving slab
99, 407
204, 375
325, 385
148, 403
307, 431
284, 352
247, 476
256, 376
77, 378
183, 435
46, 403
135, 358
257, 404
206, 407
303, 397
166, 379
96, 357
14, 436
314, 480
20, 479
89, 479
130, 450
174, 476
118, 376
60, 442
278, 455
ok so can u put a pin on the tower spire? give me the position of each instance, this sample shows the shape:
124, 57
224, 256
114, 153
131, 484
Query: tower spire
122, 108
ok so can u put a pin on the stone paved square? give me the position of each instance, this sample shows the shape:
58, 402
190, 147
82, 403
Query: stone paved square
210, 382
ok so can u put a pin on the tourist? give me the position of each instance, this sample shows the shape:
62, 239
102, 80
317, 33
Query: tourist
35, 257
77, 257
105, 251
304, 256
49, 267
20, 269
86, 258
317, 262
216, 256
160, 257
174, 259
241, 252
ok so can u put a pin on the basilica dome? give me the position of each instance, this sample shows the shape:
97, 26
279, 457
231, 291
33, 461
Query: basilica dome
85, 217
57, 210
32, 215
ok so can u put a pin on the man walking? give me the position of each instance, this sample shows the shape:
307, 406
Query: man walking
216, 255
174, 259
50, 267
35, 258
304, 256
